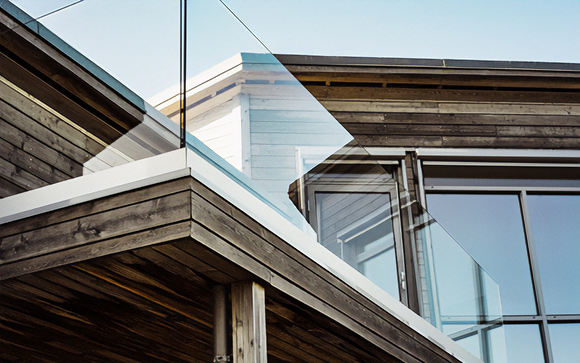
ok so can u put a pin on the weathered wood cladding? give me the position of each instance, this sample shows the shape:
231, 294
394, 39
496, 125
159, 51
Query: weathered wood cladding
37, 147
202, 234
451, 107
133, 307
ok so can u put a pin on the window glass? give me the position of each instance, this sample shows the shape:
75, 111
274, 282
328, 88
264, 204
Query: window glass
555, 229
453, 269
565, 342
490, 228
472, 344
358, 228
523, 343
496, 336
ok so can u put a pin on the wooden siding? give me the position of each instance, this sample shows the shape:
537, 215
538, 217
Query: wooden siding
165, 237
450, 107
37, 147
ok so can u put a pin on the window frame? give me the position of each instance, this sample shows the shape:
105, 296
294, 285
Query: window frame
534, 159
335, 185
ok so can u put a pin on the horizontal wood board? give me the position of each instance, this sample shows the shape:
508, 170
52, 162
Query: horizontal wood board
397, 106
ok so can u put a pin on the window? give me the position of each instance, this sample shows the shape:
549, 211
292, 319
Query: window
354, 210
521, 222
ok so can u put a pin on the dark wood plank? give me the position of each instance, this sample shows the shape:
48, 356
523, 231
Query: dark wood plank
43, 134
93, 228
7, 188
394, 130
437, 94
60, 126
305, 329
19, 177
95, 124
452, 107
170, 250
23, 141
116, 321
152, 236
95, 206
31, 163
129, 277
458, 119
513, 142
524, 78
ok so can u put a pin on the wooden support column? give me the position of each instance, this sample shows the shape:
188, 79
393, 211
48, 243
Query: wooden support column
249, 323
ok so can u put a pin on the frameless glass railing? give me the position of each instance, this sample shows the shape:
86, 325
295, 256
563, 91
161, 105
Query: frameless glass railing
249, 117
456, 294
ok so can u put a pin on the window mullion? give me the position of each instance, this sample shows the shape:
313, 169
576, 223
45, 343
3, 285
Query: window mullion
535, 271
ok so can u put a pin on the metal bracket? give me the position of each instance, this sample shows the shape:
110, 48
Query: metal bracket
222, 358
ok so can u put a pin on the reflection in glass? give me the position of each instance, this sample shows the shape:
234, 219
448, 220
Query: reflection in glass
565, 340
490, 228
456, 294
523, 344
358, 228
555, 228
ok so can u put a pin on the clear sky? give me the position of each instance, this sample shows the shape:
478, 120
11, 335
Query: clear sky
137, 41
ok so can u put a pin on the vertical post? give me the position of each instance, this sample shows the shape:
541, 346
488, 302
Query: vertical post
182, 71
220, 324
249, 323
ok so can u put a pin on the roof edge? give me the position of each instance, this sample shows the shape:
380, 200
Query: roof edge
320, 60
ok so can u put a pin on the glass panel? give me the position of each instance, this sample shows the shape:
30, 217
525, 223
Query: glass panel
358, 227
457, 295
565, 340
523, 344
490, 228
497, 344
555, 228
135, 41
472, 344
36, 8
248, 109
89, 132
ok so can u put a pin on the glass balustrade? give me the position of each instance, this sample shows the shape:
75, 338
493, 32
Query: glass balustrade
249, 117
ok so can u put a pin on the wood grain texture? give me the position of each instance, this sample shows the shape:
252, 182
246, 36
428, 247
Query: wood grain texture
249, 323
97, 227
48, 118
66, 314
435, 94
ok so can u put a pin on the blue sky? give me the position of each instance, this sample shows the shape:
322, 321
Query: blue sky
137, 41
